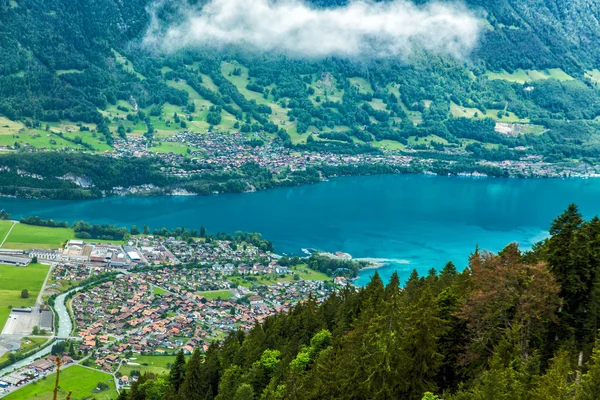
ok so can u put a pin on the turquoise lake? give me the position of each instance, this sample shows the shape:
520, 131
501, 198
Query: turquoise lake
414, 221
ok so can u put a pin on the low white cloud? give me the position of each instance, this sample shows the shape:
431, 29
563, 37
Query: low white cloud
360, 29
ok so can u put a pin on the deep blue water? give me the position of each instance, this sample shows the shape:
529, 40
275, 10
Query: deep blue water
415, 221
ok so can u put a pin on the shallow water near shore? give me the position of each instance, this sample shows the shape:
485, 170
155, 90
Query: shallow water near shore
415, 221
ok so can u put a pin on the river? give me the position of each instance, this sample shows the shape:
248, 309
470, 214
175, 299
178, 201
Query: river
65, 326
413, 221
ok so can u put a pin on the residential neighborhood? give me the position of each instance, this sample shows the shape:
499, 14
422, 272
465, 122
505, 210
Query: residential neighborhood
156, 295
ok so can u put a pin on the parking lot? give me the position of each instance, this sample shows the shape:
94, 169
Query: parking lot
21, 323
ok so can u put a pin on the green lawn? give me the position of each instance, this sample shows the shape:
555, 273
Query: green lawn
302, 270
8, 127
25, 237
522, 76
279, 114
215, 294
4, 228
29, 236
154, 364
81, 381
127, 65
389, 145
362, 84
68, 71
309, 274
158, 290
593, 75
13, 280
467, 112
170, 147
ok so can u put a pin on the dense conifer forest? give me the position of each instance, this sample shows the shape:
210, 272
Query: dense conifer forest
512, 325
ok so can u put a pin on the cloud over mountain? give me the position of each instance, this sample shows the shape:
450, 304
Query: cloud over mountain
360, 29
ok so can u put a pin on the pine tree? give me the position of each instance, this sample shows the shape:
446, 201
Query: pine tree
193, 387
244, 392
424, 328
557, 382
177, 374
393, 286
589, 387
568, 259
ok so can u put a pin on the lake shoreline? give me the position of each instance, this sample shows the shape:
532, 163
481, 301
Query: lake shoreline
427, 220
177, 192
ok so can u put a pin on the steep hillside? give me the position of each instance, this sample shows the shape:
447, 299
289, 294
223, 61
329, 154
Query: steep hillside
78, 69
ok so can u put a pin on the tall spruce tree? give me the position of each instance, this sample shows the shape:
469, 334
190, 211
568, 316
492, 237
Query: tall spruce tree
193, 386
177, 374
568, 259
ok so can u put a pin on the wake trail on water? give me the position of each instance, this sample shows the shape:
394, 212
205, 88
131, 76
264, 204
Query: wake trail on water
383, 261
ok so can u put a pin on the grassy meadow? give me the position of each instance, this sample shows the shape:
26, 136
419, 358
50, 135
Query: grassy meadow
524, 76
81, 381
215, 294
25, 237
13, 281
29, 236
154, 364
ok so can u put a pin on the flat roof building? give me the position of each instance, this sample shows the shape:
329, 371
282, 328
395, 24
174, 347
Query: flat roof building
12, 260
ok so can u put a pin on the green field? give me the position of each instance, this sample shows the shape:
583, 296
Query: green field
302, 270
215, 294
389, 145
60, 72
467, 112
81, 381
30, 236
12, 132
362, 84
157, 290
523, 76
170, 147
593, 75
279, 115
127, 65
4, 228
199, 123
8, 127
309, 274
25, 237
154, 364
13, 280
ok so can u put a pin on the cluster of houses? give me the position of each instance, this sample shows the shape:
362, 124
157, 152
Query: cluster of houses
228, 151
80, 260
163, 310
219, 251
188, 294
36, 370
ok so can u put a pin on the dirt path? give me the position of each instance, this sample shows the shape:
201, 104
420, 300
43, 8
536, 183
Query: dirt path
8, 233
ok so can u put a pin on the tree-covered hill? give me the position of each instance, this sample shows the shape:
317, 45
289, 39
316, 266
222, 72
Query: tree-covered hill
81, 66
512, 325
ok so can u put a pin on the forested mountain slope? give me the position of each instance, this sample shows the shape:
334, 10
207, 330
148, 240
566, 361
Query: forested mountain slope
513, 325
81, 66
